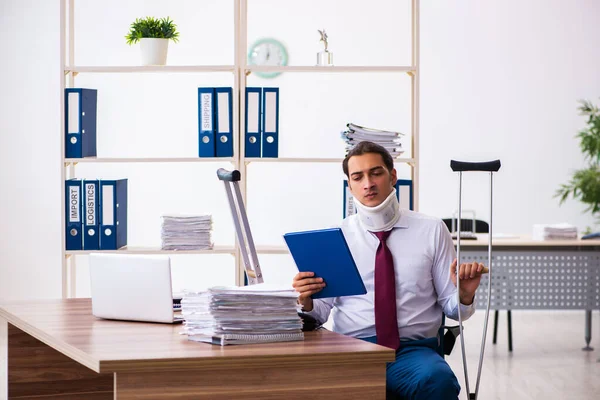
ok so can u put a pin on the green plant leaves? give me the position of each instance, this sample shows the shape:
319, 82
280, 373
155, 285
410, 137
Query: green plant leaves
585, 183
584, 186
590, 137
150, 27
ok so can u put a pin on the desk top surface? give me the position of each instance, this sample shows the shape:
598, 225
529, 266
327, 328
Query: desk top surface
526, 241
112, 346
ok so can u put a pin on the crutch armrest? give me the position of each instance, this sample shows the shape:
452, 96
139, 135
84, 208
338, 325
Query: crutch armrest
463, 166
230, 176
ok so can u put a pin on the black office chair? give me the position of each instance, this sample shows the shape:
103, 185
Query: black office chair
466, 225
447, 338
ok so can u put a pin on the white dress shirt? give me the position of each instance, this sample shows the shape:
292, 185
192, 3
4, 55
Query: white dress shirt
422, 249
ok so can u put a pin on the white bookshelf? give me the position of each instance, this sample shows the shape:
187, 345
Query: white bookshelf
155, 250
149, 69
148, 160
249, 160
272, 250
69, 71
332, 69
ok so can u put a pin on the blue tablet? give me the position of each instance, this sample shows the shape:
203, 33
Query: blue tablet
325, 252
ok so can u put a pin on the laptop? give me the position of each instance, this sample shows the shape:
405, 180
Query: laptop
325, 252
132, 288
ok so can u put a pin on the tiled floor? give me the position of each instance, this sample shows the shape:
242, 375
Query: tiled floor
546, 363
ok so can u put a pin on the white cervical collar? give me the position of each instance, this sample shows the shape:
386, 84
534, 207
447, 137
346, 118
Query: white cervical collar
379, 218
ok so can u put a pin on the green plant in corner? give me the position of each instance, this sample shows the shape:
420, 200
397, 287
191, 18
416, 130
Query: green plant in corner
585, 183
150, 27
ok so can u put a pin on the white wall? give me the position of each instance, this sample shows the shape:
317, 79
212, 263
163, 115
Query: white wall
500, 79
29, 150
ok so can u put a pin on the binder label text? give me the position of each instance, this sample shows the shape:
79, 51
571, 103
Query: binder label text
90, 204
74, 204
405, 197
206, 111
253, 113
73, 112
350, 207
223, 112
108, 202
270, 112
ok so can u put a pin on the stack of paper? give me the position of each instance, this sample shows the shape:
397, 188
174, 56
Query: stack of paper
354, 134
242, 315
556, 231
186, 232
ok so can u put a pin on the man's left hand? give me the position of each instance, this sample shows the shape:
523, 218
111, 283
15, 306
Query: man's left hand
470, 275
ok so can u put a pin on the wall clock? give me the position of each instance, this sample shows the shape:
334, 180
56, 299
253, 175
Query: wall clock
267, 52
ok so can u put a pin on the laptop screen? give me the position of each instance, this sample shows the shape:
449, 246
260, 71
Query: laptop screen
131, 287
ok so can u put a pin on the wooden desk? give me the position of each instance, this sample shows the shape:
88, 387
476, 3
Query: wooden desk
539, 275
57, 349
521, 241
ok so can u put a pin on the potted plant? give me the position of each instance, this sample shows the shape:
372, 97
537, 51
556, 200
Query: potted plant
154, 35
585, 183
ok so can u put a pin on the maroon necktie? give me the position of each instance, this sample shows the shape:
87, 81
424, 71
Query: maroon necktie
386, 322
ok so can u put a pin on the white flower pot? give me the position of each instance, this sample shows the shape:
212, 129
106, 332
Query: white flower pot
154, 51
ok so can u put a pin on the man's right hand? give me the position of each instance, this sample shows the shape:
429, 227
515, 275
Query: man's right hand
307, 285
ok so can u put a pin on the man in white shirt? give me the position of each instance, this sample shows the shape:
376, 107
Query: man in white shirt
408, 264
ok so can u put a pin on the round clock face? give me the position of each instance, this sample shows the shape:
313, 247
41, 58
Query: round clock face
267, 52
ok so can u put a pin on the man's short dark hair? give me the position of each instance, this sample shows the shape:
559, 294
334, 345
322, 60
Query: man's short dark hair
369, 147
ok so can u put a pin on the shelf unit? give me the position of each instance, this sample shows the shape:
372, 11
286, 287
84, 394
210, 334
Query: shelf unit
331, 69
149, 69
314, 160
240, 71
156, 250
109, 160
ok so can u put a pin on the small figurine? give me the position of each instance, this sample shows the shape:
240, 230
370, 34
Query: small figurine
324, 58
323, 38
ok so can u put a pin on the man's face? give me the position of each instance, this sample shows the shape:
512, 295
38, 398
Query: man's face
369, 180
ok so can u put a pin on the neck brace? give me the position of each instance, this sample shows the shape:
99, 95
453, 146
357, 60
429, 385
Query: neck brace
379, 218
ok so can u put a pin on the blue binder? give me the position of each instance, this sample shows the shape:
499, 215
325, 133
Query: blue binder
113, 215
270, 122
404, 190
404, 193
224, 121
80, 122
73, 207
326, 253
349, 207
252, 144
206, 123
91, 214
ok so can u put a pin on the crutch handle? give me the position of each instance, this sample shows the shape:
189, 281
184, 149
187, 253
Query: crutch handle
485, 270
230, 176
462, 166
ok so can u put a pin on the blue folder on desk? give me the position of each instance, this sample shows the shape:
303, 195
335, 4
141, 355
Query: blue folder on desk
325, 252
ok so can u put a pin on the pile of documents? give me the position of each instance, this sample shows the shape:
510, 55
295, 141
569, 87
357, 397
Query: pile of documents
354, 134
186, 232
556, 231
242, 315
